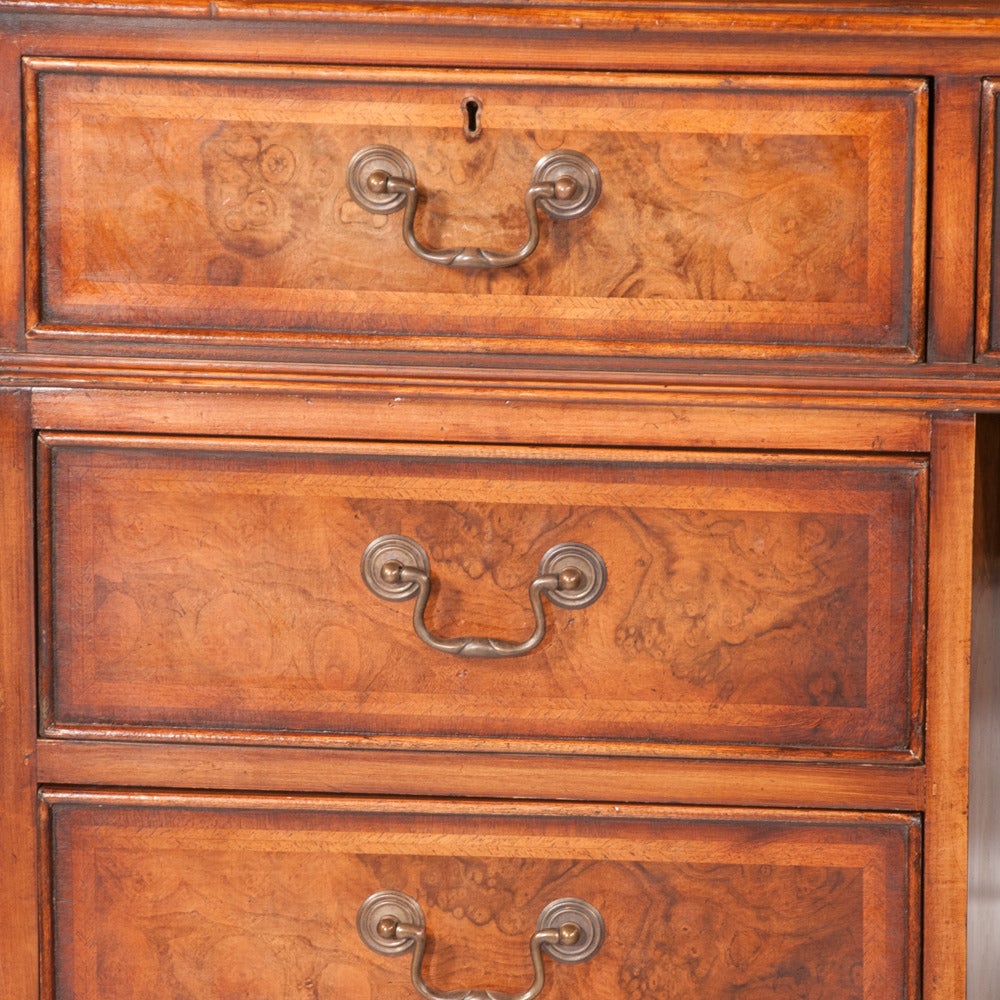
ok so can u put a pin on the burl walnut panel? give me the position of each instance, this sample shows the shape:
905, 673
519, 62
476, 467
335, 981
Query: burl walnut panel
782, 213
751, 599
182, 897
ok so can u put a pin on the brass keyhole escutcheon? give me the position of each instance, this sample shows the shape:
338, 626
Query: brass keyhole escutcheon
472, 118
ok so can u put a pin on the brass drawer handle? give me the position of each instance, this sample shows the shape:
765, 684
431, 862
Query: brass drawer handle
391, 923
570, 575
565, 184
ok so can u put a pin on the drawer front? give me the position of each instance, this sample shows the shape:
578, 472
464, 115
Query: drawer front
750, 599
736, 216
181, 896
988, 315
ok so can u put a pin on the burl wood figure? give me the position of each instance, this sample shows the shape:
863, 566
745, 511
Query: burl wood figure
499, 501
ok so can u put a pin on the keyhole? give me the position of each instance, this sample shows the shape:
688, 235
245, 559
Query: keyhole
472, 125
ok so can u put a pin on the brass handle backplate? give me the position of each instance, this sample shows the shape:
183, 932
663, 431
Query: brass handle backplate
568, 930
570, 575
565, 184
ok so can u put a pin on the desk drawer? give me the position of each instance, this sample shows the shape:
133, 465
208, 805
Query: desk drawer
736, 216
750, 599
191, 896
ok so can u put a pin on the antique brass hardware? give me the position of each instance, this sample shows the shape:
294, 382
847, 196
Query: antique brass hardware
570, 575
568, 930
565, 184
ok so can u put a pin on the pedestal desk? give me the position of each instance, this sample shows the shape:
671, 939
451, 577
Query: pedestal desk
499, 500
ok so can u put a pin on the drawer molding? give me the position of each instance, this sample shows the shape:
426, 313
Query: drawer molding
169, 888
723, 565
802, 235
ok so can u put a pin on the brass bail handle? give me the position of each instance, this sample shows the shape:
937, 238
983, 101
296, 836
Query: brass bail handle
568, 930
565, 185
570, 575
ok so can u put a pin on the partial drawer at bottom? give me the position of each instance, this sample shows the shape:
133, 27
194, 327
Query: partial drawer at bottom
279, 898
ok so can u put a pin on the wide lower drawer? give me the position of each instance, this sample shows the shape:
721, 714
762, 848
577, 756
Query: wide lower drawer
778, 216
203, 586
202, 896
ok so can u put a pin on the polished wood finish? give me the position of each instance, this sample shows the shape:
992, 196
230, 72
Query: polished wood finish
948, 703
19, 867
242, 761
988, 327
954, 196
198, 585
224, 895
770, 748
789, 210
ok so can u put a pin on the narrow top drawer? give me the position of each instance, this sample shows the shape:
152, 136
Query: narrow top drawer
731, 216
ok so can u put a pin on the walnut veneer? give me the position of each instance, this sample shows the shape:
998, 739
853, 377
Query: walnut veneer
758, 377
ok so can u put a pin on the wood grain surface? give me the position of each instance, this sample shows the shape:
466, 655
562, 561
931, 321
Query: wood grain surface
182, 896
754, 378
20, 868
763, 599
787, 211
988, 286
